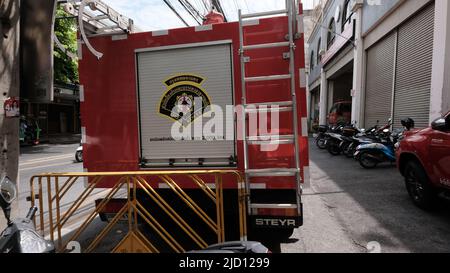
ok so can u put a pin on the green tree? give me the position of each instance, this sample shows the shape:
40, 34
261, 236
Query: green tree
65, 69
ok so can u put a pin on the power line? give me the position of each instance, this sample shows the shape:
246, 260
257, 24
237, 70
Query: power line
207, 4
218, 6
192, 11
176, 12
246, 4
236, 5
202, 6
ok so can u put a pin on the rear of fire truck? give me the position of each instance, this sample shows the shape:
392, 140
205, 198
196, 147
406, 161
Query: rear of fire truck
227, 96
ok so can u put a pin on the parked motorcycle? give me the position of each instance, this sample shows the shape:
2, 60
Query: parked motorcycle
20, 235
362, 137
373, 154
29, 131
321, 136
350, 134
334, 139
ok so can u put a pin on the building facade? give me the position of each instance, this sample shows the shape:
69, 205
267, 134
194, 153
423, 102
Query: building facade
58, 117
383, 59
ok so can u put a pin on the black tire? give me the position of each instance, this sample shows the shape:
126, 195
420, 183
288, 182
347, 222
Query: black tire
334, 149
348, 150
79, 156
418, 186
320, 143
367, 162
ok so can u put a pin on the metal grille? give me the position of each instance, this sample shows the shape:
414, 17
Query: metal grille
380, 74
414, 67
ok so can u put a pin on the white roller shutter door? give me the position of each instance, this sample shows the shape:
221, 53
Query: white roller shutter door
414, 67
210, 62
379, 81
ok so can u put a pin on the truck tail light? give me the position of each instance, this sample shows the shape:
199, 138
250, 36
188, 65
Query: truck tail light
291, 212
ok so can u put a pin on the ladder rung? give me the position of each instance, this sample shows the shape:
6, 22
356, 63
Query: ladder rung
272, 172
271, 103
271, 139
268, 78
97, 18
268, 110
268, 107
268, 13
273, 206
269, 45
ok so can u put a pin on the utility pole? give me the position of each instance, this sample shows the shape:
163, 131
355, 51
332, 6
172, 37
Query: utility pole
9, 88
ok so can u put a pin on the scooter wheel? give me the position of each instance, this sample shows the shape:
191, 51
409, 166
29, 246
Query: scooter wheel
79, 156
349, 152
367, 162
334, 149
320, 142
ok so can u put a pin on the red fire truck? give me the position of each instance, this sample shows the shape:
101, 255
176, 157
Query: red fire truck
147, 84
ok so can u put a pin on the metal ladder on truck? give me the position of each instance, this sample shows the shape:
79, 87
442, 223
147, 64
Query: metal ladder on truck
282, 106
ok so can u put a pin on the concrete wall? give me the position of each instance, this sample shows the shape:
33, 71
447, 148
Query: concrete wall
440, 81
374, 10
320, 32
312, 48
9, 87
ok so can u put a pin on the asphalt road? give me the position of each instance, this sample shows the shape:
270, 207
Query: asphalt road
44, 158
350, 209
347, 208
54, 158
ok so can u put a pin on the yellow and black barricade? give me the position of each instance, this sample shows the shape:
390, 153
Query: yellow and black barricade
69, 209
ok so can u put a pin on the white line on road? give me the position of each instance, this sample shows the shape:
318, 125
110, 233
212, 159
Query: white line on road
45, 159
43, 166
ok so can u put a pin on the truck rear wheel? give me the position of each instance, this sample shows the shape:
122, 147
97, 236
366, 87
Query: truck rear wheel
419, 188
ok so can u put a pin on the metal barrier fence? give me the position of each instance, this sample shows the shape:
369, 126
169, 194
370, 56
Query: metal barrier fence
65, 214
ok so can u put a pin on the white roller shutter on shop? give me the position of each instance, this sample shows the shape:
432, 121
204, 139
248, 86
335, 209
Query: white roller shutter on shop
379, 81
414, 68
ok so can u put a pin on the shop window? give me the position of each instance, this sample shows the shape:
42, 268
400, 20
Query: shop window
331, 33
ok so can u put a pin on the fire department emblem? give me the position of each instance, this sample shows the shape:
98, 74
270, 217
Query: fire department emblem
185, 99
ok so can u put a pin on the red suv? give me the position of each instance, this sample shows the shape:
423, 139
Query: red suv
423, 158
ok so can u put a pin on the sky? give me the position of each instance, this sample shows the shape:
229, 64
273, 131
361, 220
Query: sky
151, 15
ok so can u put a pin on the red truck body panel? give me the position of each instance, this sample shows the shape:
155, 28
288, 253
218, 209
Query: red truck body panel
109, 108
